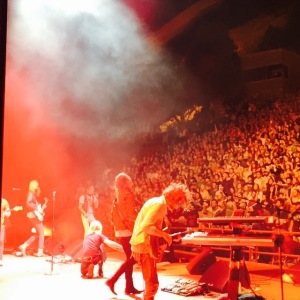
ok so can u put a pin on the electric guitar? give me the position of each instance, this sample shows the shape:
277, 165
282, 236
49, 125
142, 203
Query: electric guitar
39, 212
4, 213
16, 208
159, 244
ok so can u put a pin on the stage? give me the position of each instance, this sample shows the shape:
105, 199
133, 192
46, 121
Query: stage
37, 278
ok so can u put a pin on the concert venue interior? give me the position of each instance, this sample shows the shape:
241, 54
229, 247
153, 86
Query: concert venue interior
97, 87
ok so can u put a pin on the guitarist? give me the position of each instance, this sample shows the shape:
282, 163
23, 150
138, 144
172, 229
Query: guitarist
88, 203
123, 218
5, 213
149, 224
35, 215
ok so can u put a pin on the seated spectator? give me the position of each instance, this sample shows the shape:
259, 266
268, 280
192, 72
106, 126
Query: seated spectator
203, 213
204, 193
230, 208
241, 210
220, 195
213, 210
222, 207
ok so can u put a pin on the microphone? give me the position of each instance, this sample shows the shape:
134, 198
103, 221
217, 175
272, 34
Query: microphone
16, 189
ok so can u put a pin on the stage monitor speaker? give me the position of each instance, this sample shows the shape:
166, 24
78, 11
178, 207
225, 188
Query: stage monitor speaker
73, 248
217, 276
77, 256
52, 244
201, 262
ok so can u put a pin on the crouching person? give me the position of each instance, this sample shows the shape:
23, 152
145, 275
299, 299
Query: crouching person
93, 252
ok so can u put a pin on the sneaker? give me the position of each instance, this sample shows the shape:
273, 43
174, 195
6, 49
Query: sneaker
132, 290
90, 271
111, 284
23, 249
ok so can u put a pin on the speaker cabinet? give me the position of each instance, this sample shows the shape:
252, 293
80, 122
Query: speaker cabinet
54, 245
217, 276
201, 262
73, 248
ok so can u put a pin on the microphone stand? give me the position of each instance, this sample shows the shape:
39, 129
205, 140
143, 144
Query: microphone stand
52, 235
279, 240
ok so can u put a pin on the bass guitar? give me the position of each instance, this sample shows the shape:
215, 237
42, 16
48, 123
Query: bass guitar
159, 244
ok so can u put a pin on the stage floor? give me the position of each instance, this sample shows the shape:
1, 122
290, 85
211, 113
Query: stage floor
36, 278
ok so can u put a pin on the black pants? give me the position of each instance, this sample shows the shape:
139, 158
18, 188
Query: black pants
127, 266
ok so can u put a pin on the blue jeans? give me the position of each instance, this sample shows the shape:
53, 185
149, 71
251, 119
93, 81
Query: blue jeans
39, 227
149, 271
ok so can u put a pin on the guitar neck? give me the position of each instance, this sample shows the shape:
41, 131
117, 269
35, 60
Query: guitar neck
16, 208
174, 236
181, 233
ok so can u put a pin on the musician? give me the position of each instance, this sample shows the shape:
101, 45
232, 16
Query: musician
93, 250
148, 226
124, 214
88, 202
5, 213
35, 216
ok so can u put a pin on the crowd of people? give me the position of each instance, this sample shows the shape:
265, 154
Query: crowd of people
248, 165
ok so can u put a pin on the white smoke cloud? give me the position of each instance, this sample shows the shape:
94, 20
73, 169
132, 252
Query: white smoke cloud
89, 66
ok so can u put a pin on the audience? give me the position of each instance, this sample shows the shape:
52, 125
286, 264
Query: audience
248, 161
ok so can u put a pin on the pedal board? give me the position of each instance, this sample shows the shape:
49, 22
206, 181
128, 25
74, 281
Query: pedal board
187, 287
